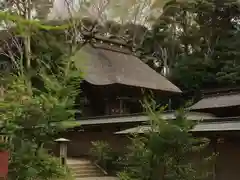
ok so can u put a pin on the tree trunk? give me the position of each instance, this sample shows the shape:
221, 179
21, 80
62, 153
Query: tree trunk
27, 39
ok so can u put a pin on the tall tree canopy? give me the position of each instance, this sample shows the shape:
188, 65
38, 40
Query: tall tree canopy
201, 41
197, 40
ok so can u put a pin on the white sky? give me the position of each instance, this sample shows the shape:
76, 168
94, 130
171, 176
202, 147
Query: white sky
121, 11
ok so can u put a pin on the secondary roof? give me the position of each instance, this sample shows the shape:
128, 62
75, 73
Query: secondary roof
217, 101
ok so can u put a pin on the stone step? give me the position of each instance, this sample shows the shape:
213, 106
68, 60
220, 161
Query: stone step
91, 169
80, 165
84, 168
78, 161
87, 171
78, 175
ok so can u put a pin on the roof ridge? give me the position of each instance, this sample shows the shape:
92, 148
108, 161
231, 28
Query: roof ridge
220, 90
221, 94
104, 38
110, 47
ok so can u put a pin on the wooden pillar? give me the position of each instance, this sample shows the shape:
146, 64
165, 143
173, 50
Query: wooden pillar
214, 147
215, 144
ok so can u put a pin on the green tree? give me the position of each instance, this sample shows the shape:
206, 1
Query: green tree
198, 40
214, 56
166, 151
37, 98
33, 119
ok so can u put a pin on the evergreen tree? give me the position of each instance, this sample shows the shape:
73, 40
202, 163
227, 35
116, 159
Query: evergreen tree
34, 114
166, 151
201, 41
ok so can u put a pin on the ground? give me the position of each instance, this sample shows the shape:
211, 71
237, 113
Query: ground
98, 178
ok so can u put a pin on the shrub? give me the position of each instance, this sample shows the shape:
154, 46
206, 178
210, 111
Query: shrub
101, 153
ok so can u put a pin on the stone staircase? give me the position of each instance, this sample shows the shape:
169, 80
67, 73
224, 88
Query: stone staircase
83, 168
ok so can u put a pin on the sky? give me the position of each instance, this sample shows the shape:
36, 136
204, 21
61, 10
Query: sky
122, 11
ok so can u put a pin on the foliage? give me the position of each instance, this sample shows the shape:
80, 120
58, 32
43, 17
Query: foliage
166, 151
101, 153
37, 101
104, 156
33, 119
198, 40
201, 42
35, 166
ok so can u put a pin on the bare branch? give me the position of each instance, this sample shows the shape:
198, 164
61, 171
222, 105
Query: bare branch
12, 48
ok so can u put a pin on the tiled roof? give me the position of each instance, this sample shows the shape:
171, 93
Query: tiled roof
142, 118
204, 126
217, 101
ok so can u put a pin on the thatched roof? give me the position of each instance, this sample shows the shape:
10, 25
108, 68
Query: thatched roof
113, 62
108, 64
